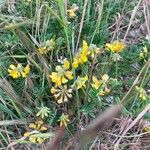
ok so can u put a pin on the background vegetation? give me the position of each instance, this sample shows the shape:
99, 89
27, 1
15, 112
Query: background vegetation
27, 26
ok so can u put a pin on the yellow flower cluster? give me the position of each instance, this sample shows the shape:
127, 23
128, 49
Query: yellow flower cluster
82, 57
61, 93
72, 10
115, 47
38, 126
64, 120
62, 74
47, 46
80, 82
101, 84
18, 71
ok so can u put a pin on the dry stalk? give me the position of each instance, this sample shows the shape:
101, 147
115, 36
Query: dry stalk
131, 125
132, 17
81, 24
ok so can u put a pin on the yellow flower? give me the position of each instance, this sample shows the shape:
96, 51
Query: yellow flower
64, 120
100, 85
26, 134
69, 75
26, 71
96, 83
72, 10
82, 57
61, 94
40, 140
115, 47
62, 75
32, 126
32, 139
35, 139
42, 50
66, 64
84, 53
80, 82
38, 126
76, 62
42, 128
46, 47
85, 47
56, 78
71, 13
17, 71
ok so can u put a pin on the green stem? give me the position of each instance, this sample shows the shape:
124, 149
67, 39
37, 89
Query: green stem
99, 19
116, 66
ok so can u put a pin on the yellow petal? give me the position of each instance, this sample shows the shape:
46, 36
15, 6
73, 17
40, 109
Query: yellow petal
26, 134
43, 128
101, 93
42, 50
59, 101
53, 90
40, 122
32, 139
64, 80
66, 64
27, 69
24, 75
75, 63
32, 126
94, 79
14, 74
71, 12
69, 75
115, 47
40, 140
12, 67
38, 114
84, 58
85, 78
85, 47
65, 99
